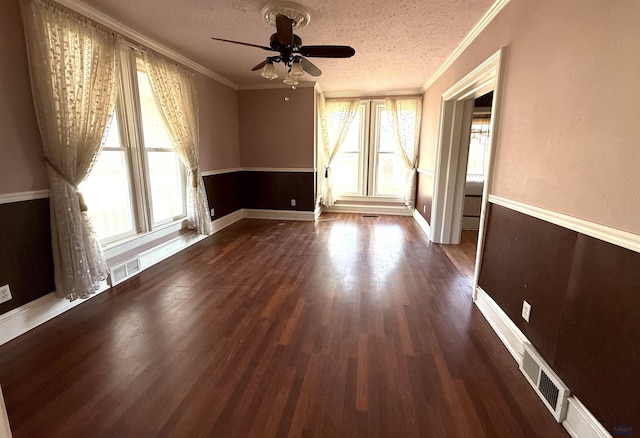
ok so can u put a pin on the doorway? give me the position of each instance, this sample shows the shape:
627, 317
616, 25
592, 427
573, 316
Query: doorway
453, 148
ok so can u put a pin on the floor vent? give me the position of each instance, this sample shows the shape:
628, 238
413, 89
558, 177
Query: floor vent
545, 382
120, 273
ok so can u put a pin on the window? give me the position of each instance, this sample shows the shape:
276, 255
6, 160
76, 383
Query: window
367, 163
478, 144
137, 184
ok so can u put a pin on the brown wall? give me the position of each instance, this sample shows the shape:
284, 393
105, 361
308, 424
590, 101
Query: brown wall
275, 133
424, 196
568, 107
584, 306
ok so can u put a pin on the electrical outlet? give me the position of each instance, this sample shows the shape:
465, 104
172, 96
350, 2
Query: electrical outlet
293, 202
5, 293
212, 212
526, 310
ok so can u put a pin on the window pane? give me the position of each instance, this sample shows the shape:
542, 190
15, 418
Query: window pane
478, 144
165, 175
345, 175
391, 176
154, 131
387, 137
106, 192
351, 141
167, 190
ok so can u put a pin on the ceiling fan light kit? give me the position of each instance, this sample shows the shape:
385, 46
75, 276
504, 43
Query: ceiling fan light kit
286, 17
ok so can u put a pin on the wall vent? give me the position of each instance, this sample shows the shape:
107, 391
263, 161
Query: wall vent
545, 382
121, 272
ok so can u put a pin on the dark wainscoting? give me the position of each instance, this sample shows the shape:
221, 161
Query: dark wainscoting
274, 190
224, 193
585, 297
424, 195
26, 263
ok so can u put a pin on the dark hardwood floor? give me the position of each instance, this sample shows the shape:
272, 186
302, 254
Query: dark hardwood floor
349, 327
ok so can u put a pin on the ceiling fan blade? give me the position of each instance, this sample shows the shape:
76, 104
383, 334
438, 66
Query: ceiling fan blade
259, 66
245, 44
327, 51
308, 67
284, 29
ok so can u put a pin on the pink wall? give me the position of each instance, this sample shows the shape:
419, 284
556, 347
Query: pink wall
219, 134
22, 167
277, 133
568, 128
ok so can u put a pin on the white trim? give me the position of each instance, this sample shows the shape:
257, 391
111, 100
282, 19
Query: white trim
422, 223
278, 169
5, 429
393, 210
139, 38
578, 422
28, 316
8, 198
257, 169
279, 215
221, 171
611, 235
317, 212
372, 95
507, 331
118, 248
426, 172
494, 10
271, 85
225, 221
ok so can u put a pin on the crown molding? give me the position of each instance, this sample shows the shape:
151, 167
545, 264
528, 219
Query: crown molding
139, 38
493, 11
275, 84
372, 94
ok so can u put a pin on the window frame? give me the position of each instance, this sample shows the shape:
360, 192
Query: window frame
131, 133
369, 151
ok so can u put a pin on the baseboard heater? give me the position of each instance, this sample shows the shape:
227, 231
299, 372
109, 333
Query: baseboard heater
121, 272
545, 382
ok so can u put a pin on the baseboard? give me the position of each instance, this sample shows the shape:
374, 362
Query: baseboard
579, 422
422, 222
24, 318
5, 430
399, 210
507, 331
225, 221
279, 215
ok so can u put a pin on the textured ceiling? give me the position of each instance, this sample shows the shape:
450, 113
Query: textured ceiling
399, 44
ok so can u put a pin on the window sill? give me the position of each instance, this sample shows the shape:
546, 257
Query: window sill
121, 250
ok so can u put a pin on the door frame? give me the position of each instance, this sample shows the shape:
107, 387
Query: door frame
456, 111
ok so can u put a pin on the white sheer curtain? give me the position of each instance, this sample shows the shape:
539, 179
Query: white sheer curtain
335, 119
175, 95
73, 67
404, 116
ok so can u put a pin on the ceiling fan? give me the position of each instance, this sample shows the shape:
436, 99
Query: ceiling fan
291, 52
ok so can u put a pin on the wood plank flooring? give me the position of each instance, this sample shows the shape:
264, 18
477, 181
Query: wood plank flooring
349, 327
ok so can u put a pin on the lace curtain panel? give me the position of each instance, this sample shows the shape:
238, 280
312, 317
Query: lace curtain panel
336, 117
73, 69
175, 95
404, 116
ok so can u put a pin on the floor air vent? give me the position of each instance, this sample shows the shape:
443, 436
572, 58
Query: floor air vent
545, 382
121, 272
